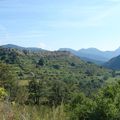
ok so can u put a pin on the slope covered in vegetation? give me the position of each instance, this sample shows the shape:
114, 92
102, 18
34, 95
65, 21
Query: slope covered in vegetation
56, 84
114, 63
51, 66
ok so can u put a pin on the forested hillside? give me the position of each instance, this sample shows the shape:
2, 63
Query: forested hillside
57, 84
114, 63
62, 66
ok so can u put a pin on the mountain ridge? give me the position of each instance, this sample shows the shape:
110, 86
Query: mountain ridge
113, 63
93, 55
32, 49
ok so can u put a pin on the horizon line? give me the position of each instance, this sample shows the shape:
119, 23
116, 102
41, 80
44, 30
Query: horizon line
59, 48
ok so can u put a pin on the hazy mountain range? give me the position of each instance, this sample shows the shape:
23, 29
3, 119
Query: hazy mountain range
113, 63
110, 59
32, 49
94, 55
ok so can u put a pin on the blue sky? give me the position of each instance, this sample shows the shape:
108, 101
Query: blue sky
54, 24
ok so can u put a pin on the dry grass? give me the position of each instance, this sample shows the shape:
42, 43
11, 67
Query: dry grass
18, 112
23, 82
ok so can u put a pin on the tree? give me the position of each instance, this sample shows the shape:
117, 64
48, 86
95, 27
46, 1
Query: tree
41, 62
80, 107
38, 92
59, 93
108, 103
7, 75
33, 90
8, 79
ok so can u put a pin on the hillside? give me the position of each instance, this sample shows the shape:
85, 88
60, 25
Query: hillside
55, 85
55, 65
114, 63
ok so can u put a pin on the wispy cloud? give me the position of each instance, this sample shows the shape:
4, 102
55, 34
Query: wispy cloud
42, 45
97, 17
105, 14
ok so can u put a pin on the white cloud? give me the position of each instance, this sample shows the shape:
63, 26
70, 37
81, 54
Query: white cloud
42, 45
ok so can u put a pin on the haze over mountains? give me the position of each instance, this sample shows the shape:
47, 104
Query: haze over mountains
32, 49
109, 59
113, 63
94, 55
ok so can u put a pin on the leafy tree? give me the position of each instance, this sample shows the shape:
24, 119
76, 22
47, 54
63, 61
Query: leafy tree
56, 67
59, 93
41, 62
38, 92
108, 104
80, 107
8, 79
33, 92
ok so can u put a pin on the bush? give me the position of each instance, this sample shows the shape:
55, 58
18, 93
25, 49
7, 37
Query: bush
3, 93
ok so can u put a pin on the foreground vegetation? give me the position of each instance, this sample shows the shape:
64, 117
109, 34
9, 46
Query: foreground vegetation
21, 112
104, 105
56, 86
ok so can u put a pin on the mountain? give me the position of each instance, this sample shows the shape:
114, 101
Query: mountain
12, 46
53, 66
91, 51
32, 49
94, 55
90, 55
97, 62
70, 50
114, 63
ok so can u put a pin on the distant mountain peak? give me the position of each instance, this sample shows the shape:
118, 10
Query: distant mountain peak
90, 49
12, 46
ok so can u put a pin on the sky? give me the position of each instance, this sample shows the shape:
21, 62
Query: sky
54, 24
